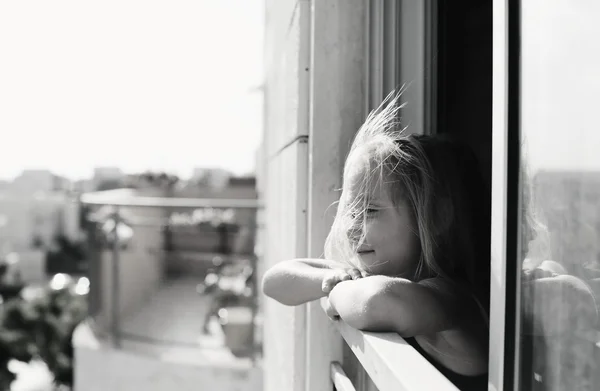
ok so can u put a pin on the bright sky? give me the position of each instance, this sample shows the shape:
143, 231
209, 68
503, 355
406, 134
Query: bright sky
561, 84
139, 84
149, 84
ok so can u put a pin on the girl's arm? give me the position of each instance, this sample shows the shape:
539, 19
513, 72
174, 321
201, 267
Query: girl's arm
447, 324
398, 304
299, 281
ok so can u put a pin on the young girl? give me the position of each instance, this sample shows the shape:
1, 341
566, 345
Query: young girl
408, 251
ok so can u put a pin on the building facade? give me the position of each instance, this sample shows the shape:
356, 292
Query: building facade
482, 72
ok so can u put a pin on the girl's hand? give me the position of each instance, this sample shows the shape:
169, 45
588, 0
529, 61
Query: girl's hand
330, 310
335, 276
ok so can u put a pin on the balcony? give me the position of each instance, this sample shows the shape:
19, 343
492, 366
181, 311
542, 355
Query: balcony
148, 304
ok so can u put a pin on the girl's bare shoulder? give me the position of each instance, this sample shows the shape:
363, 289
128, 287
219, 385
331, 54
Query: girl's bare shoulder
464, 347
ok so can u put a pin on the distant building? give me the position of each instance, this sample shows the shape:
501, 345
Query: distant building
185, 233
31, 221
84, 186
32, 181
108, 173
210, 177
566, 202
34, 208
108, 178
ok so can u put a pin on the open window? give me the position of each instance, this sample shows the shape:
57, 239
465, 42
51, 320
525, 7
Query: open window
440, 54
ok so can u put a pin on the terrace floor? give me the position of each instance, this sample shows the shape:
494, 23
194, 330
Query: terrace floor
168, 326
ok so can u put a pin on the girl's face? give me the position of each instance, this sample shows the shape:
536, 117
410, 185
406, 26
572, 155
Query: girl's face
391, 243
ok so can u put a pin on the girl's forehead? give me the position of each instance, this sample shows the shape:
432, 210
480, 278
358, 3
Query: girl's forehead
367, 179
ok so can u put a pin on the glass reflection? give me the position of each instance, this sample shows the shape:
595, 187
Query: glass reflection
560, 191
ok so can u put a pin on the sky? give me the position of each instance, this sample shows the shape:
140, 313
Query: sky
172, 84
561, 84
162, 85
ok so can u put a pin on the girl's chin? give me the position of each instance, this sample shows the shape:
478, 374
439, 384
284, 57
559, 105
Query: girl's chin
367, 258
373, 266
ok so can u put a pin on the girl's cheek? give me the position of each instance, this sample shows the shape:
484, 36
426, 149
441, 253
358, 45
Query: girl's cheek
373, 233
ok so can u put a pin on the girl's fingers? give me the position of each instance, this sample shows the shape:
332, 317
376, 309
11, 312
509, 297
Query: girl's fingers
333, 279
326, 286
343, 276
355, 274
330, 281
331, 311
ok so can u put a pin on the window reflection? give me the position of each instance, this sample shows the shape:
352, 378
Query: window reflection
560, 279
560, 189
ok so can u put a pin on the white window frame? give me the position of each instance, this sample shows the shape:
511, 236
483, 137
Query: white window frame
334, 25
505, 277
400, 46
338, 84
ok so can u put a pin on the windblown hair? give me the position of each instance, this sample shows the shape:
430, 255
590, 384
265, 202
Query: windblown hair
532, 227
439, 180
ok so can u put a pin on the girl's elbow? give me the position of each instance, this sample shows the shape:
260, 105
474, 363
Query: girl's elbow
270, 285
391, 312
273, 287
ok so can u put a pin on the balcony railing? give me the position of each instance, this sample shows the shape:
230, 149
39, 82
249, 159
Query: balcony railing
119, 202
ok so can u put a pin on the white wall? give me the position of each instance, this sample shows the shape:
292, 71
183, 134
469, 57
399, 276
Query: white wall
314, 99
287, 44
338, 85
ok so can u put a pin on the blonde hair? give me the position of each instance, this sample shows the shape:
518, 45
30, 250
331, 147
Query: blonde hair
440, 182
532, 227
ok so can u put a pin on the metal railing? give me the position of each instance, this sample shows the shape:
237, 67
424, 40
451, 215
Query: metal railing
117, 202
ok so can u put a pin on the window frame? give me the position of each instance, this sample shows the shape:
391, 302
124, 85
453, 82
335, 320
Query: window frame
505, 279
384, 53
505, 276
383, 37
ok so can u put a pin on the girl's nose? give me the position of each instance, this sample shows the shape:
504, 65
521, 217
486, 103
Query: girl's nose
354, 233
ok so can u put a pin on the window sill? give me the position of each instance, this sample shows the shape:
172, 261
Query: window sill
392, 363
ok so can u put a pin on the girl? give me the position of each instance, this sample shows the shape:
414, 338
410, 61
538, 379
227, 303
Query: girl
408, 250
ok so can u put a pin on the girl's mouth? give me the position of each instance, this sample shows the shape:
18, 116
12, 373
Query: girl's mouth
365, 251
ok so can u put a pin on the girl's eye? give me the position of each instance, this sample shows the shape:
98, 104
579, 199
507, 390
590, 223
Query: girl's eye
371, 211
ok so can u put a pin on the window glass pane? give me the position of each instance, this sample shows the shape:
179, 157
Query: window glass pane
560, 189
397, 58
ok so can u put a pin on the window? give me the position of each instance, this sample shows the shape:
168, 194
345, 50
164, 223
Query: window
559, 188
400, 45
440, 52
462, 104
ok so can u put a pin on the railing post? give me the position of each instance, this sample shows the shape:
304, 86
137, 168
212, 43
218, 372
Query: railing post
115, 296
254, 306
94, 272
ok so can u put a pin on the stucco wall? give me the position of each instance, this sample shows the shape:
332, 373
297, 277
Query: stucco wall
287, 43
314, 101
